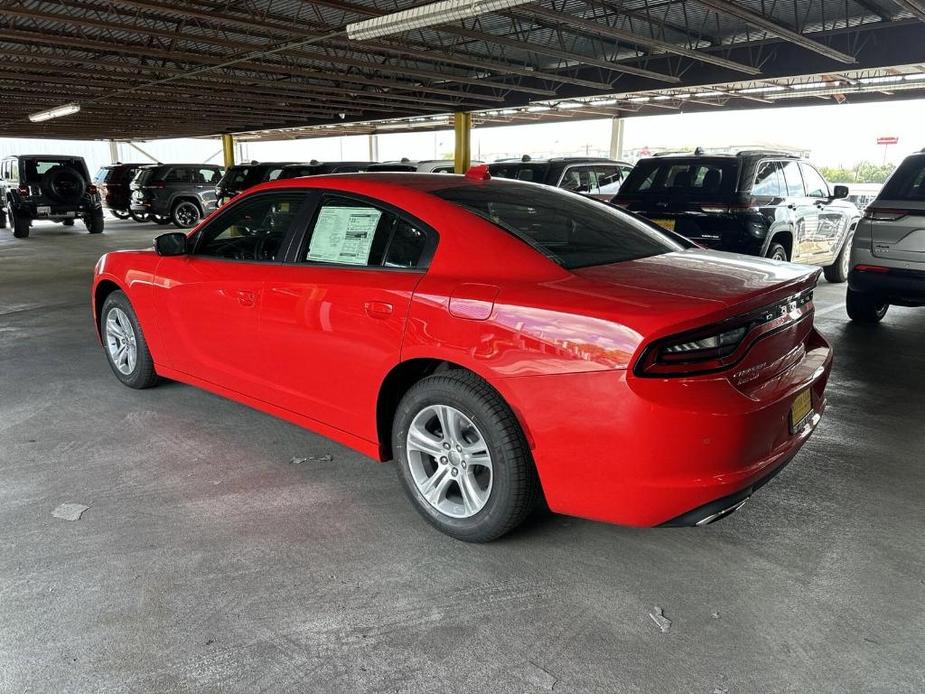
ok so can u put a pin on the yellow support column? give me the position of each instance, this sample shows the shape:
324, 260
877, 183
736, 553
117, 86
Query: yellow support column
228, 150
462, 125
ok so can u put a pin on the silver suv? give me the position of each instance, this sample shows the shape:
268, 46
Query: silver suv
888, 253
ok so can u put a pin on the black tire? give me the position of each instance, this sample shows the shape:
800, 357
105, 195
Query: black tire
185, 214
158, 219
837, 272
95, 222
120, 214
21, 225
67, 222
142, 375
514, 490
140, 217
776, 252
2, 218
865, 308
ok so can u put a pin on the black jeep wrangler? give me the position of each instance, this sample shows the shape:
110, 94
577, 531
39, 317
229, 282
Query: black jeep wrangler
45, 186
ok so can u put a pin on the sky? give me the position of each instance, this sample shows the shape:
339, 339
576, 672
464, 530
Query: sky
834, 135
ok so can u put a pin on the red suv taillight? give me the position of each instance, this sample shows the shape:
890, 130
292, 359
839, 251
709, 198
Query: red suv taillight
23, 190
886, 215
93, 190
718, 347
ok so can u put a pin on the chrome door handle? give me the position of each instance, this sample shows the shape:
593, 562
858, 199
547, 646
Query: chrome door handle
378, 309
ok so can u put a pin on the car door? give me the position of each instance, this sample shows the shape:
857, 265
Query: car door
804, 210
208, 301
332, 322
831, 215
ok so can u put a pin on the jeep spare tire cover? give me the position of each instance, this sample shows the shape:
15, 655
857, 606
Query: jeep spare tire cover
64, 184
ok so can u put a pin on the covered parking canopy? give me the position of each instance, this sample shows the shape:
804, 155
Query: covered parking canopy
144, 69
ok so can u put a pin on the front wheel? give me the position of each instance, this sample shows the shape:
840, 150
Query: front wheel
94, 222
120, 214
865, 308
21, 225
185, 214
462, 458
125, 344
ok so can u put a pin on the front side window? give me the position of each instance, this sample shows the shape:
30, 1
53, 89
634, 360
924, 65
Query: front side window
356, 233
573, 231
768, 181
816, 187
253, 229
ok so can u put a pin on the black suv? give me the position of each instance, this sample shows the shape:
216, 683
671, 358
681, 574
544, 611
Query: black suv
243, 176
46, 186
756, 202
114, 184
596, 178
178, 193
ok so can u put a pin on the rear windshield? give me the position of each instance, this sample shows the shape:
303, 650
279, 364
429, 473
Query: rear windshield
520, 171
907, 182
689, 178
573, 231
34, 169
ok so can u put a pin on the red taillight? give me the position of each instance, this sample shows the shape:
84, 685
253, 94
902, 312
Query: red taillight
886, 215
93, 190
23, 189
720, 346
725, 208
871, 268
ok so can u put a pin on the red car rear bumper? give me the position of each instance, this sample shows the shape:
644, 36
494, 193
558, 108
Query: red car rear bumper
646, 451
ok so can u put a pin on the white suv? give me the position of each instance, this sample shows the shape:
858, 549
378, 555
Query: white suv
888, 253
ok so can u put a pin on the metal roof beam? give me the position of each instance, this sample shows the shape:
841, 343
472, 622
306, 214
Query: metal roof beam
916, 7
588, 26
772, 27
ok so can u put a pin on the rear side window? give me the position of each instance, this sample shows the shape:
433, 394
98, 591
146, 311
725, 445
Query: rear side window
179, 174
532, 173
907, 182
769, 182
692, 178
792, 179
573, 231
102, 175
356, 233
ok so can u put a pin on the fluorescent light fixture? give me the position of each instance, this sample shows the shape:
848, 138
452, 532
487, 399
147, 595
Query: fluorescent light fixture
639, 99
701, 95
603, 102
887, 79
566, 105
442, 12
538, 109
762, 90
55, 112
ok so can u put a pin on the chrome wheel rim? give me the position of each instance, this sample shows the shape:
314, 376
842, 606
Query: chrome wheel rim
449, 461
187, 214
120, 341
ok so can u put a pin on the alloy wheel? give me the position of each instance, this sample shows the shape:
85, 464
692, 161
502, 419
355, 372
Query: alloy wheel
187, 214
120, 341
449, 461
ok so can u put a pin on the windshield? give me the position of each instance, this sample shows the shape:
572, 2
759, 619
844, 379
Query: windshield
571, 230
520, 171
695, 178
907, 182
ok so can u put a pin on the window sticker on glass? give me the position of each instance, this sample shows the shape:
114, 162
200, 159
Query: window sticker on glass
344, 235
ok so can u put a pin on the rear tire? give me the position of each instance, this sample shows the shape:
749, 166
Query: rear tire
140, 217
67, 222
777, 252
837, 272
158, 219
185, 214
94, 222
120, 214
21, 226
485, 452
124, 343
865, 308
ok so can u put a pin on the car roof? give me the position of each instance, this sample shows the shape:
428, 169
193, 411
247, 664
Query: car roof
409, 181
46, 156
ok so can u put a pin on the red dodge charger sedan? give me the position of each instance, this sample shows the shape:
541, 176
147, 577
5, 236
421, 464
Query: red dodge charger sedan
499, 340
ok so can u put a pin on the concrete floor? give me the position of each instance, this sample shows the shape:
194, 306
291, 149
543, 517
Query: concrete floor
208, 562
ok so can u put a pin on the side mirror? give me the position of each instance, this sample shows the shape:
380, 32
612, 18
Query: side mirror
840, 192
172, 243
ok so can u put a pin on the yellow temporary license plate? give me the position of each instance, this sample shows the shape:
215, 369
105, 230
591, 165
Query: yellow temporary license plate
665, 223
800, 410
